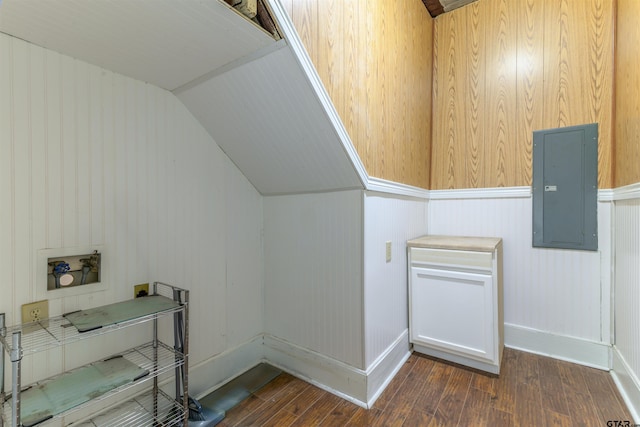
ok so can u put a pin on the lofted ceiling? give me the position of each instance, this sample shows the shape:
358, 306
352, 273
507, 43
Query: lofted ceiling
250, 91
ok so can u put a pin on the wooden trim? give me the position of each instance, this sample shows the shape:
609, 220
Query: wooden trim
384, 186
627, 192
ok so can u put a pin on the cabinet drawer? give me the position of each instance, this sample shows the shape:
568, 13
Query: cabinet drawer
452, 258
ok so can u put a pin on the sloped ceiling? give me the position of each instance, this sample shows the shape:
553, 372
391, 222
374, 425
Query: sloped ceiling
164, 42
247, 89
270, 123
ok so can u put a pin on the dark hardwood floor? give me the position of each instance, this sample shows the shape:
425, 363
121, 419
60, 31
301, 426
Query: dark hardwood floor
531, 391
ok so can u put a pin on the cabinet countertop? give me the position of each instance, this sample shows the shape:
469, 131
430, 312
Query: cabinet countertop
461, 243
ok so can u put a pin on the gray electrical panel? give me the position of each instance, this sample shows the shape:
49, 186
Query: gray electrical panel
565, 187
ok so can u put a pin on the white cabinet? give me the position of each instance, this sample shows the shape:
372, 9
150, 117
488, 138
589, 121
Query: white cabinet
455, 299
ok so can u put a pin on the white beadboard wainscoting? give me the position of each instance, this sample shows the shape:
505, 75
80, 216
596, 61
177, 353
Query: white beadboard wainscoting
335, 310
626, 351
313, 289
556, 302
313, 272
394, 219
93, 158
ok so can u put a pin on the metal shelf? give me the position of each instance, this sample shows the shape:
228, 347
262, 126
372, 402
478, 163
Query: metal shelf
59, 331
155, 361
70, 391
138, 412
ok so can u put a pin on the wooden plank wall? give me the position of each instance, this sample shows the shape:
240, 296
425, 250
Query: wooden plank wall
627, 159
375, 60
505, 68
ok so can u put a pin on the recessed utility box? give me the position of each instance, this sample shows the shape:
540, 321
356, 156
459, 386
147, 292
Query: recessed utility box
565, 187
73, 270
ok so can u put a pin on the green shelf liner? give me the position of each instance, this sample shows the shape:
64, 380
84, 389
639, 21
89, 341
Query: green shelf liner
94, 318
55, 396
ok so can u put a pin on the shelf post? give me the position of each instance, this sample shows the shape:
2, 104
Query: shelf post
185, 355
2, 397
155, 365
154, 291
16, 357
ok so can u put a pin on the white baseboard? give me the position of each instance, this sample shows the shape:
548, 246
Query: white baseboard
329, 374
382, 371
627, 383
211, 374
575, 350
355, 385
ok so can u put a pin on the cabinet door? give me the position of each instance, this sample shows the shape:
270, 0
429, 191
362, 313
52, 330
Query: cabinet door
453, 311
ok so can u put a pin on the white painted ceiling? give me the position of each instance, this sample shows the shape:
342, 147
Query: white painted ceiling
248, 90
165, 42
270, 123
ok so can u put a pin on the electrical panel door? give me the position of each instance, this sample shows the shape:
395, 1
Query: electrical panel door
565, 187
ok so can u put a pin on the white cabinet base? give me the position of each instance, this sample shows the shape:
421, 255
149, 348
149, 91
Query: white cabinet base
455, 300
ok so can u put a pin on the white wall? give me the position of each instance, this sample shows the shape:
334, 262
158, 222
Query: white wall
90, 157
394, 219
561, 293
627, 300
313, 273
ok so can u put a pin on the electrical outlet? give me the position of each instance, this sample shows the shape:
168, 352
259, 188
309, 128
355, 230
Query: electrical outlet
35, 311
141, 290
388, 245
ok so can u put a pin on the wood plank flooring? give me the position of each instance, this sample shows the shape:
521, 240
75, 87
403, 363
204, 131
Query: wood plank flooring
531, 391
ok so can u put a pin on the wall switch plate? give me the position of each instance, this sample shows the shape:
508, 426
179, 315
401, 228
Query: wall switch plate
35, 311
141, 290
388, 246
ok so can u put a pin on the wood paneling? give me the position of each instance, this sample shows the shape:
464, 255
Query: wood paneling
529, 95
476, 91
500, 96
374, 59
627, 149
450, 80
524, 66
